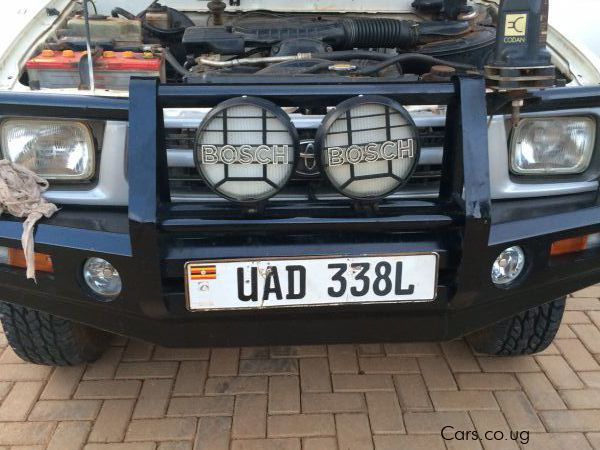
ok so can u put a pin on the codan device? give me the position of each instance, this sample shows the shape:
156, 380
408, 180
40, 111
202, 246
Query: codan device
521, 59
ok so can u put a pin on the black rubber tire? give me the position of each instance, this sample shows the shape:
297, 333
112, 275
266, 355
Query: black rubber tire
527, 333
42, 338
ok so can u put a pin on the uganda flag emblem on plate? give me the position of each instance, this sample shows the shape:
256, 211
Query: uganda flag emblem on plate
203, 272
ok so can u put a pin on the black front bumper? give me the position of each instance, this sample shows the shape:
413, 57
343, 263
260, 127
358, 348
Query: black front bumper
150, 241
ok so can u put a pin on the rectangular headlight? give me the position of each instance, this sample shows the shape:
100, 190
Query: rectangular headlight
552, 146
54, 149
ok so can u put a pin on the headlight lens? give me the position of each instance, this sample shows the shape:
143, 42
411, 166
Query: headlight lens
54, 149
553, 146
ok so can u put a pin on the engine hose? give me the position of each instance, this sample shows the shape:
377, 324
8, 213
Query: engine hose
411, 57
380, 33
174, 63
344, 55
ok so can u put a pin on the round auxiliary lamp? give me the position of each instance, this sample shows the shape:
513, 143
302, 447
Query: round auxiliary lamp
368, 147
245, 149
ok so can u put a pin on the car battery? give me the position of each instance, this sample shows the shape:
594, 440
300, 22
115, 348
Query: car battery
112, 70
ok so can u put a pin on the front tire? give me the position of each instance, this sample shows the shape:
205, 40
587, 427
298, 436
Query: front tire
526, 333
42, 338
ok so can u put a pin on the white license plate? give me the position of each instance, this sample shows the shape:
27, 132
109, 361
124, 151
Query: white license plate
247, 284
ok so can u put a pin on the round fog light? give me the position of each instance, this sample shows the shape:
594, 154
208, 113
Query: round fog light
102, 278
508, 266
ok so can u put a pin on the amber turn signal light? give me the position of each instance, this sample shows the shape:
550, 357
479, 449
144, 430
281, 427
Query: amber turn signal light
15, 257
571, 245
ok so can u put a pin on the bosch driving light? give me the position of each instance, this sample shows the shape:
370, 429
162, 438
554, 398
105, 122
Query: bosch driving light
245, 149
368, 147
54, 149
508, 266
102, 278
553, 146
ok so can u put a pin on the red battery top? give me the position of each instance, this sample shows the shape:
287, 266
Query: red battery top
118, 61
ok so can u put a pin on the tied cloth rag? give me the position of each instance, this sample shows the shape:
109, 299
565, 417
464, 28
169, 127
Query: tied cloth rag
21, 196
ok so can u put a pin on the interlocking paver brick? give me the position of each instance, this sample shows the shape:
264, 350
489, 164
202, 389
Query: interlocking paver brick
298, 351
224, 362
254, 353
384, 413
190, 378
138, 351
513, 364
213, 433
69, 436
336, 402
577, 355
594, 439
487, 381
592, 292
180, 354
437, 374
571, 317
412, 349
125, 446
284, 366
433, 422
388, 364
65, 410
486, 421
582, 398
353, 432
540, 391
20, 400
412, 393
299, 425
107, 389
236, 385
314, 375
589, 335
370, 350
518, 411
284, 394
106, 366
112, 421
400, 442
319, 443
150, 369
62, 383
153, 399
583, 304
342, 358
25, 433
166, 429
559, 372
590, 379
558, 441
24, 372
175, 445
267, 444
249, 417
459, 356
565, 421
463, 401
201, 406
361, 383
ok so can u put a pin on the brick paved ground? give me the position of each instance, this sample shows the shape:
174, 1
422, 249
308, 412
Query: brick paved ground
382, 396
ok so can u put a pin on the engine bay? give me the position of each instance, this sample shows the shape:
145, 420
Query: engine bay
431, 45
436, 40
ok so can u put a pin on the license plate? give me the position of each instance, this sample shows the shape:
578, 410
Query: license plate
248, 284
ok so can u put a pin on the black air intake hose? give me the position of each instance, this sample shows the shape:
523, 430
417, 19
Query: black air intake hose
380, 33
